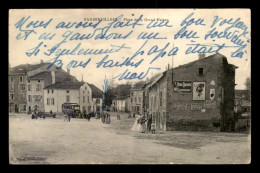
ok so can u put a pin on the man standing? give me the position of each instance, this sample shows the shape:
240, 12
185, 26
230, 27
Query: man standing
149, 123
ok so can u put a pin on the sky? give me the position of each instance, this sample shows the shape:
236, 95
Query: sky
199, 22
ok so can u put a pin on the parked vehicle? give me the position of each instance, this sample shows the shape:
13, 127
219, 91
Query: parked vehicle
71, 108
46, 114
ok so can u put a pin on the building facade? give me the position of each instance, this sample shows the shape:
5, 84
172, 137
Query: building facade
18, 90
197, 95
59, 93
136, 100
86, 101
97, 98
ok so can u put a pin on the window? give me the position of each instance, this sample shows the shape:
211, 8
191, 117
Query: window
11, 96
22, 96
83, 99
29, 87
135, 99
12, 87
68, 91
52, 91
38, 87
48, 101
48, 91
22, 87
29, 98
22, 107
131, 99
39, 81
97, 101
21, 78
67, 98
37, 98
52, 101
98, 108
201, 71
139, 99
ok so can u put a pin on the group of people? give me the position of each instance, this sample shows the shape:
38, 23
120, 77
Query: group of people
105, 118
144, 124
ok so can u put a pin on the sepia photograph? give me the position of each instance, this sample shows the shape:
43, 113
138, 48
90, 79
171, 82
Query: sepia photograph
129, 86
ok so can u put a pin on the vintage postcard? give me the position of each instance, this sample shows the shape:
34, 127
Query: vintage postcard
129, 86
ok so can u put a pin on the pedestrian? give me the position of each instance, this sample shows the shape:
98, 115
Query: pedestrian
108, 119
153, 127
68, 116
64, 115
149, 123
142, 122
88, 117
103, 117
118, 116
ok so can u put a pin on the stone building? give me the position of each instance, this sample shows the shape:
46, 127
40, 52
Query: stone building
86, 101
61, 92
18, 89
97, 98
195, 96
136, 100
40, 78
121, 104
19, 86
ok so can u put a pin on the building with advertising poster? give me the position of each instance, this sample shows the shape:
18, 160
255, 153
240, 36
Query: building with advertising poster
195, 96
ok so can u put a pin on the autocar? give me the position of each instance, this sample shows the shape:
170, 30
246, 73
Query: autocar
71, 108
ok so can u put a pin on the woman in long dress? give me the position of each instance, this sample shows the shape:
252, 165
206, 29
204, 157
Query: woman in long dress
137, 126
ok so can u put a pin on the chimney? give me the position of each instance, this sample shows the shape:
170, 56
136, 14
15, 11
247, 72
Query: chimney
202, 55
52, 77
81, 77
41, 61
68, 70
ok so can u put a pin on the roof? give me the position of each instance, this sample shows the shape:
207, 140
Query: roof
24, 68
217, 55
156, 79
65, 85
41, 75
121, 98
96, 92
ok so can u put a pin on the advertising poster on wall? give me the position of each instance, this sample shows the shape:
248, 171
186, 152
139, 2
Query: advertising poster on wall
212, 94
198, 90
182, 86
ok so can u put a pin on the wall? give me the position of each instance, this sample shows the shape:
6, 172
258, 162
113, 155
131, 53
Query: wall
59, 96
85, 91
98, 104
127, 104
14, 88
158, 103
33, 103
136, 102
185, 113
